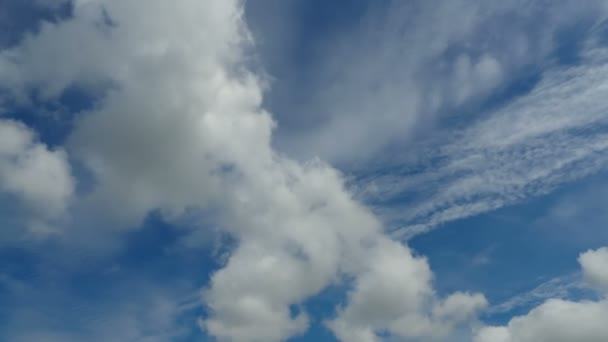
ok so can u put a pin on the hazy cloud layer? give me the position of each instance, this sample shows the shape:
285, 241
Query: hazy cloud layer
402, 68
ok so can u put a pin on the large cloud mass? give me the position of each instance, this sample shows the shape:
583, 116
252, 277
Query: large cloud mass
178, 126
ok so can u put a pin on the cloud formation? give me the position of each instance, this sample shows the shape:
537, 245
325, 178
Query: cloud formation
444, 120
559, 320
386, 299
523, 149
39, 178
404, 67
594, 265
178, 127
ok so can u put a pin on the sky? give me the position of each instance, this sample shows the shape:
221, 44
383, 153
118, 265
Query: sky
307, 170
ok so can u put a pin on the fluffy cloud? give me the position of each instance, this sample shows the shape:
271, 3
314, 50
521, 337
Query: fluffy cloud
385, 299
38, 177
559, 320
178, 126
595, 265
304, 233
172, 109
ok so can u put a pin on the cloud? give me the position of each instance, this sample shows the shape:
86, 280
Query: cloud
594, 264
403, 69
557, 319
525, 148
308, 234
385, 299
178, 127
38, 177
169, 97
457, 102
558, 287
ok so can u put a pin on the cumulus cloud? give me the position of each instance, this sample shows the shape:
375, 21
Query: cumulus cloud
559, 320
385, 299
38, 177
595, 266
178, 126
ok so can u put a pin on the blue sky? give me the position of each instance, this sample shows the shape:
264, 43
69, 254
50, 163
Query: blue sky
266, 170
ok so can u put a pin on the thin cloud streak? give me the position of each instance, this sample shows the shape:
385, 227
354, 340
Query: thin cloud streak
559, 287
553, 135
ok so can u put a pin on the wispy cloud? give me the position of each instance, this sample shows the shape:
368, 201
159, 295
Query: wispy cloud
558, 287
555, 134
406, 65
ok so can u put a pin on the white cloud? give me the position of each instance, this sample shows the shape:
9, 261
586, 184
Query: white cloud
595, 265
523, 149
406, 66
559, 320
556, 321
165, 127
386, 299
493, 334
306, 233
38, 177
178, 126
